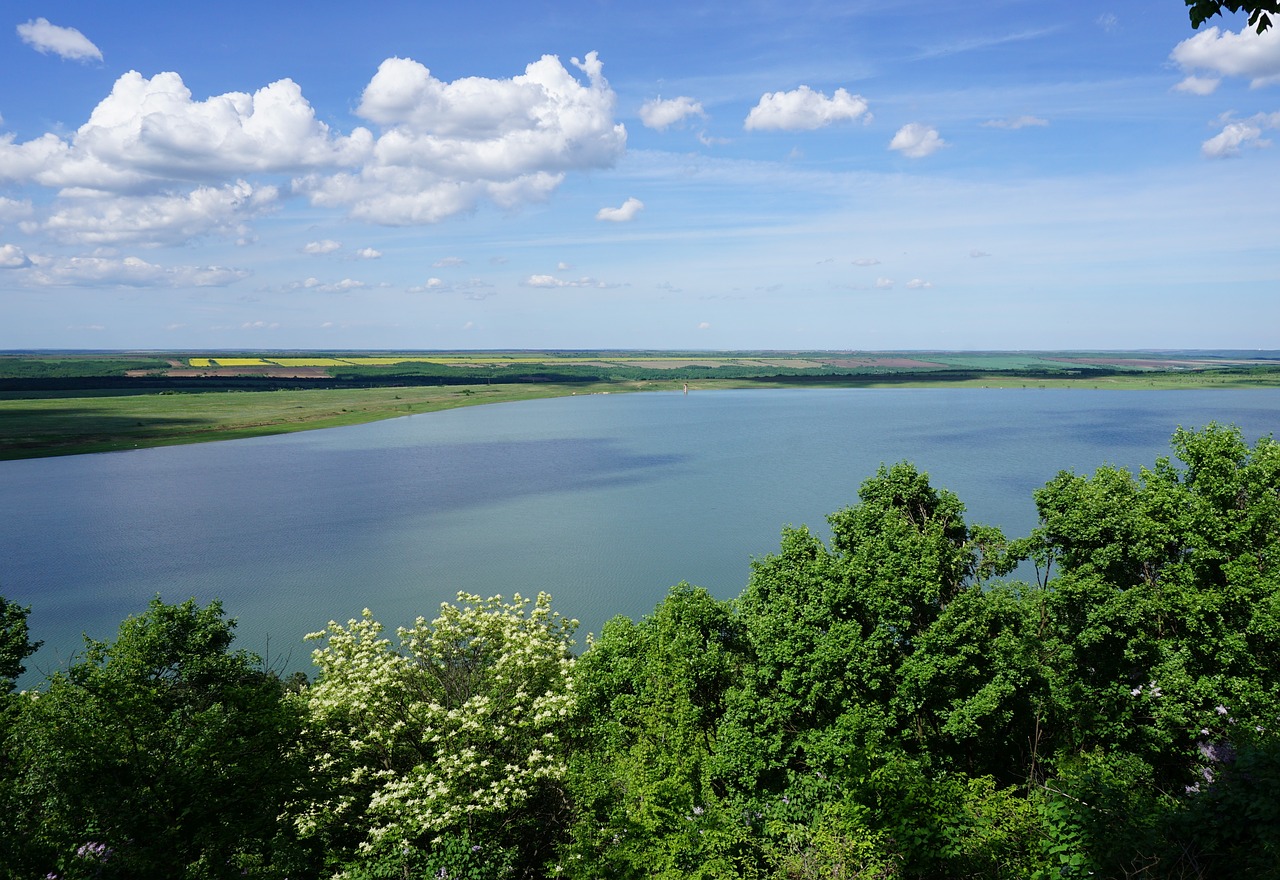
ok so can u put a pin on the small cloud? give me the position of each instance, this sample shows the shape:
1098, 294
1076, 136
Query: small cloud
1228, 142
795, 154
327, 246
562, 266
1198, 85
1226, 53
708, 141
803, 109
624, 214
919, 284
866, 261
704, 326
669, 287
431, 284
369, 253
449, 263
1108, 22
65, 42
550, 281
260, 325
915, 141
1016, 123
660, 115
470, 325
313, 283
172, 327
975, 253
884, 284
12, 257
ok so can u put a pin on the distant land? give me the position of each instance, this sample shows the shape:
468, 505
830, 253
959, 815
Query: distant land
71, 402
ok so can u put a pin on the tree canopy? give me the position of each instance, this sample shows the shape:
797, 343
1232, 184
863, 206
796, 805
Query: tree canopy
1259, 11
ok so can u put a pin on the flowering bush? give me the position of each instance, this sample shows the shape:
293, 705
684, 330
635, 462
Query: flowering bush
456, 729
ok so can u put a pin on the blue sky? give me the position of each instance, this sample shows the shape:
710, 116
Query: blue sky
998, 174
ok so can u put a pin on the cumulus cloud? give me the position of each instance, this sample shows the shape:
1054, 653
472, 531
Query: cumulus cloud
315, 284
1198, 85
447, 146
12, 257
626, 212
12, 209
884, 283
550, 281
1227, 53
66, 42
126, 272
1235, 136
660, 114
326, 246
368, 253
704, 325
915, 141
803, 110
1016, 123
919, 284
91, 219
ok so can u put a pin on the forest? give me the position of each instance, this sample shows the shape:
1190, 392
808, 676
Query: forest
915, 696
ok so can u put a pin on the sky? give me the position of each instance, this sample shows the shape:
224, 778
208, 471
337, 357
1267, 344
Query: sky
801, 175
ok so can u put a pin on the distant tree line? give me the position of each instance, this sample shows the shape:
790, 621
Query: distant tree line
887, 703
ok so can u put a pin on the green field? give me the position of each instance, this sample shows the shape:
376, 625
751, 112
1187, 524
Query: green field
65, 404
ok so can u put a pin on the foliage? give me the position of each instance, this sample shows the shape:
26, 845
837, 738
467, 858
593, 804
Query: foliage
15, 643
162, 754
453, 734
1260, 11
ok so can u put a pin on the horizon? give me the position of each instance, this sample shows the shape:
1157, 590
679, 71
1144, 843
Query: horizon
848, 177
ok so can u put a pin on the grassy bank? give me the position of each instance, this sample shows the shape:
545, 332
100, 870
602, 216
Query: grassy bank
70, 425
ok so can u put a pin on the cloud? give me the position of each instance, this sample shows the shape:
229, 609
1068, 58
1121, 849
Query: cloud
344, 286
550, 281
368, 253
660, 115
1108, 22
12, 257
446, 147
65, 42
975, 253
449, 262
919, 284
12, 209
915, 141
1198, 85
1016, 123
1227, 143
866, 261
126, 272
704, 326
327, 246
1227, 53
708, 141
623, 214
260, 325
803, 110
91, 219
884, 283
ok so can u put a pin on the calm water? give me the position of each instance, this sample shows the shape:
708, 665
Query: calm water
603, 501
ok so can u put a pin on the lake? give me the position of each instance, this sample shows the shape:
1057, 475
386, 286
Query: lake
604, 501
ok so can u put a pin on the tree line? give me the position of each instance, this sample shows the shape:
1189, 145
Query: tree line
914, 697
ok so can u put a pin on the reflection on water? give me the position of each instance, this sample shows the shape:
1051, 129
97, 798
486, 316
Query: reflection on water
604, 501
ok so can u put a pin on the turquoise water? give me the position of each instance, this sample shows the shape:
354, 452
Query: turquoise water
604, 501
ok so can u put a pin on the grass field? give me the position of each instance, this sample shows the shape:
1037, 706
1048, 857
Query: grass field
66, 419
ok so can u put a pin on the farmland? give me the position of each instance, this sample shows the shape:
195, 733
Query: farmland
62, 403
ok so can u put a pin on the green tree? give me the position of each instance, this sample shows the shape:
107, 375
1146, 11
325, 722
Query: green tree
165, 753
443, 752
15, 643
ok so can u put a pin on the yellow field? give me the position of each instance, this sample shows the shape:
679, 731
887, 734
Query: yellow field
199, 362
240, 362
309, 362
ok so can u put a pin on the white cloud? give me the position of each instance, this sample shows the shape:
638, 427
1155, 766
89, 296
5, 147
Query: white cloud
66, 42
704, 326
660, 115
550, 281
92, 219
1227, 53
803, 110
12, 257
919, 284
1016, 123
1108, 22
916, 141
12, 209
260, 325
562, 266
343, 286
126, 272
449, 262
622, 214
326, 246
866, 261
368, 253
708, 141
884, 283
448, 146
975, 253
1198, 85
1227, 143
